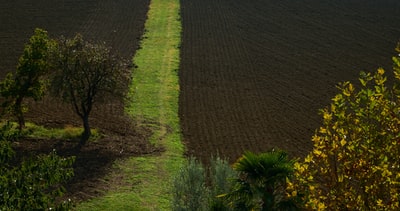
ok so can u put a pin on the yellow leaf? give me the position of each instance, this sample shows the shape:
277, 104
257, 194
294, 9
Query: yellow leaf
351, 87
343, 142
317, 152
340, 178
308, 159
379, 202
327, 116
381, 71
221, 195
346, 92
321, 206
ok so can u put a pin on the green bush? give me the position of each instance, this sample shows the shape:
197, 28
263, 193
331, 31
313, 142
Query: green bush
262, 181
191, 192
189, 188
256, 182
221, 175
36, 182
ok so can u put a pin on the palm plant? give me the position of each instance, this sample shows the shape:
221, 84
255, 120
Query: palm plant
262, 182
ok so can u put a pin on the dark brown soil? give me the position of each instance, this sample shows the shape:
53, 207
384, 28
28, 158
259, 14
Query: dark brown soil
255, 73
120, 24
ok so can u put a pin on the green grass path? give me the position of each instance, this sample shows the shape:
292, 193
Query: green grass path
154, 91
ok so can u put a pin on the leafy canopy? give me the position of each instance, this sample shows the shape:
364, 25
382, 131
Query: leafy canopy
28, 80
87, 73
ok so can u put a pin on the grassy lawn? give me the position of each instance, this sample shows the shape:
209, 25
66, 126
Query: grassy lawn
154, 103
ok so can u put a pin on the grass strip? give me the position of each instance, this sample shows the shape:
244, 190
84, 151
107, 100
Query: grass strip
154, 103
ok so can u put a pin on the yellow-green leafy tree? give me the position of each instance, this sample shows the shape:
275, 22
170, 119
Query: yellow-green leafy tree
28, 80
355, 161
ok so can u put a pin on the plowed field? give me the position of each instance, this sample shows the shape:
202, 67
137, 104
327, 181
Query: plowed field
255, 73
119, 23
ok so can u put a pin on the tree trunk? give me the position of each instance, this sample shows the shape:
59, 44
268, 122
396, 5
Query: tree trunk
86, 130
19, 113
21, 122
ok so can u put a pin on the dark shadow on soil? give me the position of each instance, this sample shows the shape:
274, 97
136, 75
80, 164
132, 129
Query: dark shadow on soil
93, 161
120, 138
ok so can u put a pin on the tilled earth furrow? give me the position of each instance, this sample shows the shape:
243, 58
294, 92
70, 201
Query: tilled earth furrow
255, 73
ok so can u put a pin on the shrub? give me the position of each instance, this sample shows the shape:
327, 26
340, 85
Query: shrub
256, 182
221, 177
354, 164
36, 182
189, 188
261, 183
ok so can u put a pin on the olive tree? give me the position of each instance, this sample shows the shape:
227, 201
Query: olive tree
189, 190
27, 81
193, 190
86, 73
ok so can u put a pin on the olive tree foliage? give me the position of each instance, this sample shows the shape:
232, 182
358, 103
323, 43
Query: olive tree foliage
28, 80
189, 188
221, 175
355, 161
36, 182
85, 74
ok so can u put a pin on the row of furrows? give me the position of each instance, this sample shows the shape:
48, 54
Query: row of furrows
116, 23
319, 47
20, 18
202, 70
254, 74
224, 105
